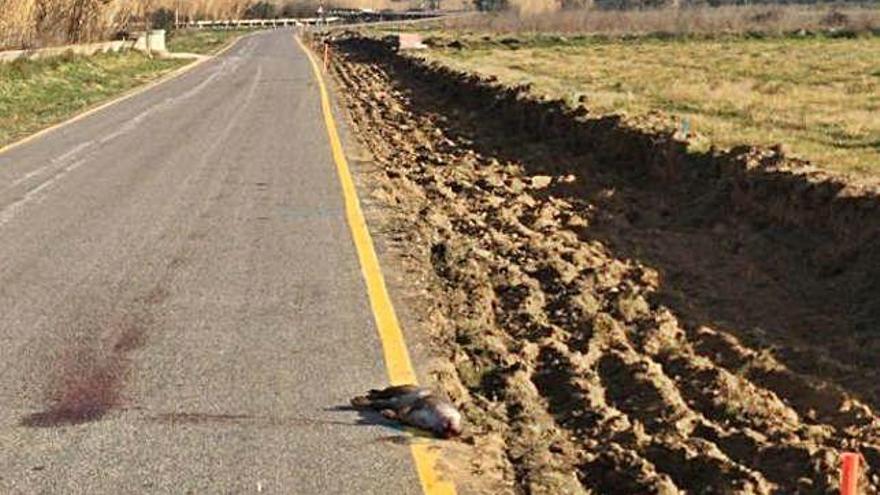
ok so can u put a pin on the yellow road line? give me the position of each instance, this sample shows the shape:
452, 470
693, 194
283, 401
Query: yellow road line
400, 370
124, 96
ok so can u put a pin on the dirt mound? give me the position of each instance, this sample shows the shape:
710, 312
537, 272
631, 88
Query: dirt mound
621, 316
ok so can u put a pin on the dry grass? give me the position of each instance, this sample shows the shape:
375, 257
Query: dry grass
818, 96
38, 23
776, 19
35, 23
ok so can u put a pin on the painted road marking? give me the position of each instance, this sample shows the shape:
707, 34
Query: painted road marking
9, 212
397, 361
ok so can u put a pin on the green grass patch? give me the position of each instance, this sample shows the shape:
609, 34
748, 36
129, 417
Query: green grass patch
202, 41
35, 94
819, 96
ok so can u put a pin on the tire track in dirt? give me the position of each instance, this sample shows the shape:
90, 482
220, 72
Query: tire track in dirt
596, 368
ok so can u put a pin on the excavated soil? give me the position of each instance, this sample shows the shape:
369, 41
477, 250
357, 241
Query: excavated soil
619, 316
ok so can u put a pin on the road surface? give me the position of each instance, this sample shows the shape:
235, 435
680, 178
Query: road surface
182, 306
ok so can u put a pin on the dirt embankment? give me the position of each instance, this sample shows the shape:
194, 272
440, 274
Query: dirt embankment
619, 316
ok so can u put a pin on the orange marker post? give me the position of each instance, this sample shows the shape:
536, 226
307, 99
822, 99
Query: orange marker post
326, 56
849, 473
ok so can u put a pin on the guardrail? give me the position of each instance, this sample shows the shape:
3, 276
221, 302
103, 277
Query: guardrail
255, 23
334, 16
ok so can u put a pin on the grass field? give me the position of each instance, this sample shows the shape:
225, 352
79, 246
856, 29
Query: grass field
776, 18
817, 96
35, 94
202, 41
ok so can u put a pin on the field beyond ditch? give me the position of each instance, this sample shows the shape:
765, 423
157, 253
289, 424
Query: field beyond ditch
611, 312
818, 97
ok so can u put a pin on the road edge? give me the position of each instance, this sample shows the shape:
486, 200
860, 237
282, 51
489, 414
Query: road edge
397, 360
118, 99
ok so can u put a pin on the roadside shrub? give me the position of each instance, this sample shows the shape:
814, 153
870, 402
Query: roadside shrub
261, 10
162, 19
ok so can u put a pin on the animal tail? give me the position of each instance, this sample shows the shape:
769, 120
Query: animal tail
361, 401
392, 392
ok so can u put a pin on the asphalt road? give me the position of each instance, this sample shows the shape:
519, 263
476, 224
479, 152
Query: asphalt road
181, 306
